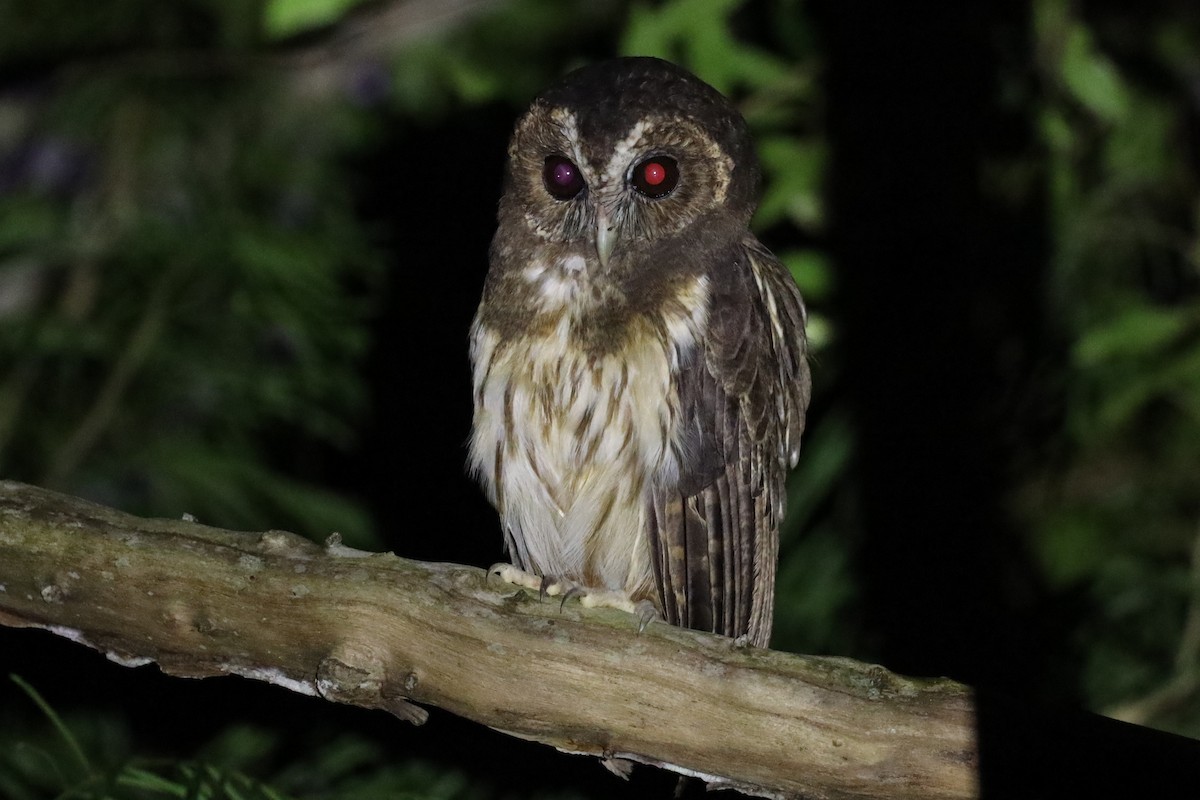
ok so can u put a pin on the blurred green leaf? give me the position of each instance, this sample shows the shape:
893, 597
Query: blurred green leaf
815, 588
1071, 548
1140, 148
234, 488
1135, 332
1092, 78
796, 172
697, 34
812, 272
1056, 131
1115, 515
27, 220
283, 18
827, 453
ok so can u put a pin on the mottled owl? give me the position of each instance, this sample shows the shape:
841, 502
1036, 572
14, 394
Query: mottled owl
639, 358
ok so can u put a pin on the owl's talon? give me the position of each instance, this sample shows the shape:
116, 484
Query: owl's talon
574, 591
645, 613
518, 577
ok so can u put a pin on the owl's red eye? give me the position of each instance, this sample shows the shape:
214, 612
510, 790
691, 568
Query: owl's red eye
656, 176
562, 178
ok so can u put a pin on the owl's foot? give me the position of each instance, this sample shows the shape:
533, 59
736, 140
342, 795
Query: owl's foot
508, 573
644, 610
547, 586
542, 584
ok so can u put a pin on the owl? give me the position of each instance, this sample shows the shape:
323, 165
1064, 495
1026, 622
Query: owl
639, 358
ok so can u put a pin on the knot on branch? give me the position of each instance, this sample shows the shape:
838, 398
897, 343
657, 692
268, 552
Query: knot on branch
361, 679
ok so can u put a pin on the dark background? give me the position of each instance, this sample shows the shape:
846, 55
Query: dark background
960, 527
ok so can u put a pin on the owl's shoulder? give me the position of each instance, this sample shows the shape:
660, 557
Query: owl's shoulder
754, 341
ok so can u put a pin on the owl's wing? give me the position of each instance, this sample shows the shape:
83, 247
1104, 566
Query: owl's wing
714, 537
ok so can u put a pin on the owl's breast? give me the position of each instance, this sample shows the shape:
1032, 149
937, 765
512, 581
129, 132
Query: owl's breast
569, 438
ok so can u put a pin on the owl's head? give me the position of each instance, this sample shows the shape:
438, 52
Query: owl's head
628, 151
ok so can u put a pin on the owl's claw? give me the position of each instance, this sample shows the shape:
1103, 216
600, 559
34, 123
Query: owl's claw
547, 586
643, 611
510, 574
646, 613
553, 587
544, 585
575, 591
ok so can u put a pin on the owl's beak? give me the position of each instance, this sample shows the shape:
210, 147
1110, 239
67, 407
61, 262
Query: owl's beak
606, 237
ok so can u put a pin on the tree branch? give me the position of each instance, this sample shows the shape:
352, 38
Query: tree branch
378, 631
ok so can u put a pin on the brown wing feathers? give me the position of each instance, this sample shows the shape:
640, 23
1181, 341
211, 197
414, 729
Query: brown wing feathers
715, 535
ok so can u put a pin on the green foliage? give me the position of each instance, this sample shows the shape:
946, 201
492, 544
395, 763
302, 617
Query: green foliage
795, 170
775, 92
816, 587
183, 276
286, 17
90, 758
1090, 77
184, 284
1116, 513
507, 55
698, 33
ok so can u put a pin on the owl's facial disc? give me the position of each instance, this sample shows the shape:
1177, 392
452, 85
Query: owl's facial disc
564, 181
609, 184
653, 177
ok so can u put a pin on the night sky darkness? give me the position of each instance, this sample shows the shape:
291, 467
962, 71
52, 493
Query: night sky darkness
936, 298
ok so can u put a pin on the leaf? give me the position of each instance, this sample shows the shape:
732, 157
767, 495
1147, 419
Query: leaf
81, 759
697, 33
25, 221
232, 487
1091, 77
282, 18
1070, 547
1141, 149
1139, 331
825, 456
811, 271
795, 170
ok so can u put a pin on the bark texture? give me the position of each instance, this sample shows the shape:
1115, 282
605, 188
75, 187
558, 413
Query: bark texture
378, 631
